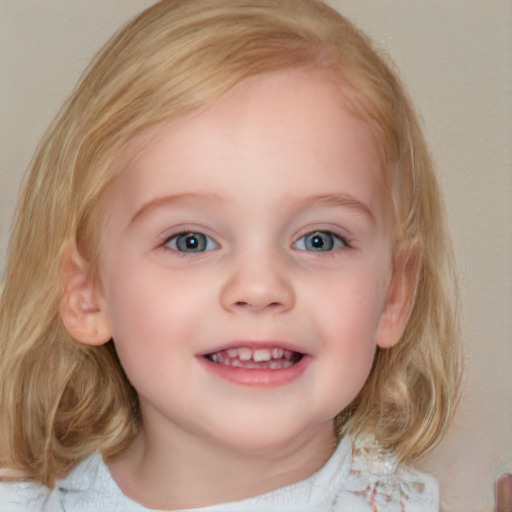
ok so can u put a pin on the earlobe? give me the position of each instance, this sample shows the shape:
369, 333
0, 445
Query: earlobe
398, 303
81, 307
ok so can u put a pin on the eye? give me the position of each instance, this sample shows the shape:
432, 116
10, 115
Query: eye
319, 241
191, 242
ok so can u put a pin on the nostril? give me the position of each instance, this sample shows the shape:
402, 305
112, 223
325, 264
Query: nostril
256, 295
248, 304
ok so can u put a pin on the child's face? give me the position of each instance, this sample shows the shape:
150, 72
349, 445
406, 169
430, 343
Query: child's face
254, 230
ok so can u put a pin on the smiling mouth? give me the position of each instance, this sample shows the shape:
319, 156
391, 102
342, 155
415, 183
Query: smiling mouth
273, 358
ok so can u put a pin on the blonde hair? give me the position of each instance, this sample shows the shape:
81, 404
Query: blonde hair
61, 400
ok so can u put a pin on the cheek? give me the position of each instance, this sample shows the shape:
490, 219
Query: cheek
351, 302
152, 314
345, 321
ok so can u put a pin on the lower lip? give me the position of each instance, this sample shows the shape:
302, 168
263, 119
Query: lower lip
256, 377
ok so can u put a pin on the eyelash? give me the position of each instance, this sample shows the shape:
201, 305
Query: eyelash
334, 241
206, 243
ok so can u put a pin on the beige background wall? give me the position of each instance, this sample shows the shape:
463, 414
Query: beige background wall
456, 58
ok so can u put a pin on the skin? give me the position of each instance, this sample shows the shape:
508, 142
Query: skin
277, 158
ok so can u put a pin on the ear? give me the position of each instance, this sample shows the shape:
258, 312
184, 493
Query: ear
399, 301
81, 308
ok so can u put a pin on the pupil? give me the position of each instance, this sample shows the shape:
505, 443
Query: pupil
318, 241
191, 242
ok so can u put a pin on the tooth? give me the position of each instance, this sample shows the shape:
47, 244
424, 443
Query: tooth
262, 354
236, 362
275, 365
288, 355
245, 354
212, 357
287, 364
232, 352
221, 358
277, 353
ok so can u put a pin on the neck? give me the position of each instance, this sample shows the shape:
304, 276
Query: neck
179, 471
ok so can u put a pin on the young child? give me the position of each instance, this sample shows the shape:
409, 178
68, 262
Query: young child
229, 284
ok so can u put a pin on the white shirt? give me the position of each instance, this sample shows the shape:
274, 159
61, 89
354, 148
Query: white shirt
357, 478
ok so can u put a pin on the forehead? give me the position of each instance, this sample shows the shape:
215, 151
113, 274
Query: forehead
286, 125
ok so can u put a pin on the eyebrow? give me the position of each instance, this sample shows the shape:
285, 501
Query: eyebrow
329, 200
337, 201
173, 200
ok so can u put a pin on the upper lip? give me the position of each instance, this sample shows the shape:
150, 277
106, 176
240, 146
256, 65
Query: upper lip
255, 345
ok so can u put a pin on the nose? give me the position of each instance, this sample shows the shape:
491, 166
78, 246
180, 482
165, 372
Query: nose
256, 285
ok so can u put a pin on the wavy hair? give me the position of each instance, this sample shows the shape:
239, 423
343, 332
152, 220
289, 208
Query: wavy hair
60, 400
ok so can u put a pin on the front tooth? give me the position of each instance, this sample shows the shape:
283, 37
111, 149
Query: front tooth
262, 354
244, 354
